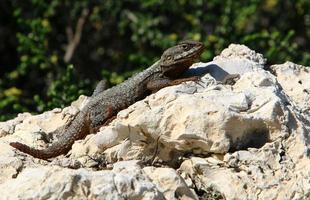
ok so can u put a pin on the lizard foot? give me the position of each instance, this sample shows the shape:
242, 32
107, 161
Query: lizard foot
231, 79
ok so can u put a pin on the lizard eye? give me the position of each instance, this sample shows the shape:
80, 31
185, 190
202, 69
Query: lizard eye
169, 57
185, 47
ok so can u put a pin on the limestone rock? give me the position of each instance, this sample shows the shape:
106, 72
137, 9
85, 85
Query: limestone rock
9, 164
235, 51
206, 140
294, 79
8, 127
199, 118
278, 170
236, 59
127, 180
165, 178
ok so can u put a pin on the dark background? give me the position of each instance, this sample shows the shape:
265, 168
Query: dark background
53, 51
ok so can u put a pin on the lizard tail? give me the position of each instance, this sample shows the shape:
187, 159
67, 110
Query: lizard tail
75, 130
37, 153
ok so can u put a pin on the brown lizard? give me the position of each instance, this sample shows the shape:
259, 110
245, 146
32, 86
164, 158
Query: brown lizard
105, 104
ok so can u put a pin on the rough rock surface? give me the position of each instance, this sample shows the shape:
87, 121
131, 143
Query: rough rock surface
204, 140
127, 180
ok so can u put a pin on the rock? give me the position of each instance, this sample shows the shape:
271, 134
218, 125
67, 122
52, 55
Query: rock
237, 51
236, 59
8, 127
294, 80
9, 164
274, 171
207, 140
169, 183
127, 180
215, 119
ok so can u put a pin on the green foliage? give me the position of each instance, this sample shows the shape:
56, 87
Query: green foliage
119, 38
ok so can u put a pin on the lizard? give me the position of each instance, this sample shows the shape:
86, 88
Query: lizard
105, 104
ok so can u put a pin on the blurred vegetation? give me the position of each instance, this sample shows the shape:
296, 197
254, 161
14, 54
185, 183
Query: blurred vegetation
53, 51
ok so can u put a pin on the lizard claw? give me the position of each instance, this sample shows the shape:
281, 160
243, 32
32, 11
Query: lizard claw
195, 78
198, 80
231, 79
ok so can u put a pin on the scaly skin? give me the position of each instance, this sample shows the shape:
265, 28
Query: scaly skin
105, 104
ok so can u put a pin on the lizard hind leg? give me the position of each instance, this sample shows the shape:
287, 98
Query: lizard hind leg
101, 86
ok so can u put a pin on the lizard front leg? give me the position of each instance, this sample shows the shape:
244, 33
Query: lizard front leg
155, 85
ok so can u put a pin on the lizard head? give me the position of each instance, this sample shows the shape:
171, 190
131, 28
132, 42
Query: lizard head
179, 58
